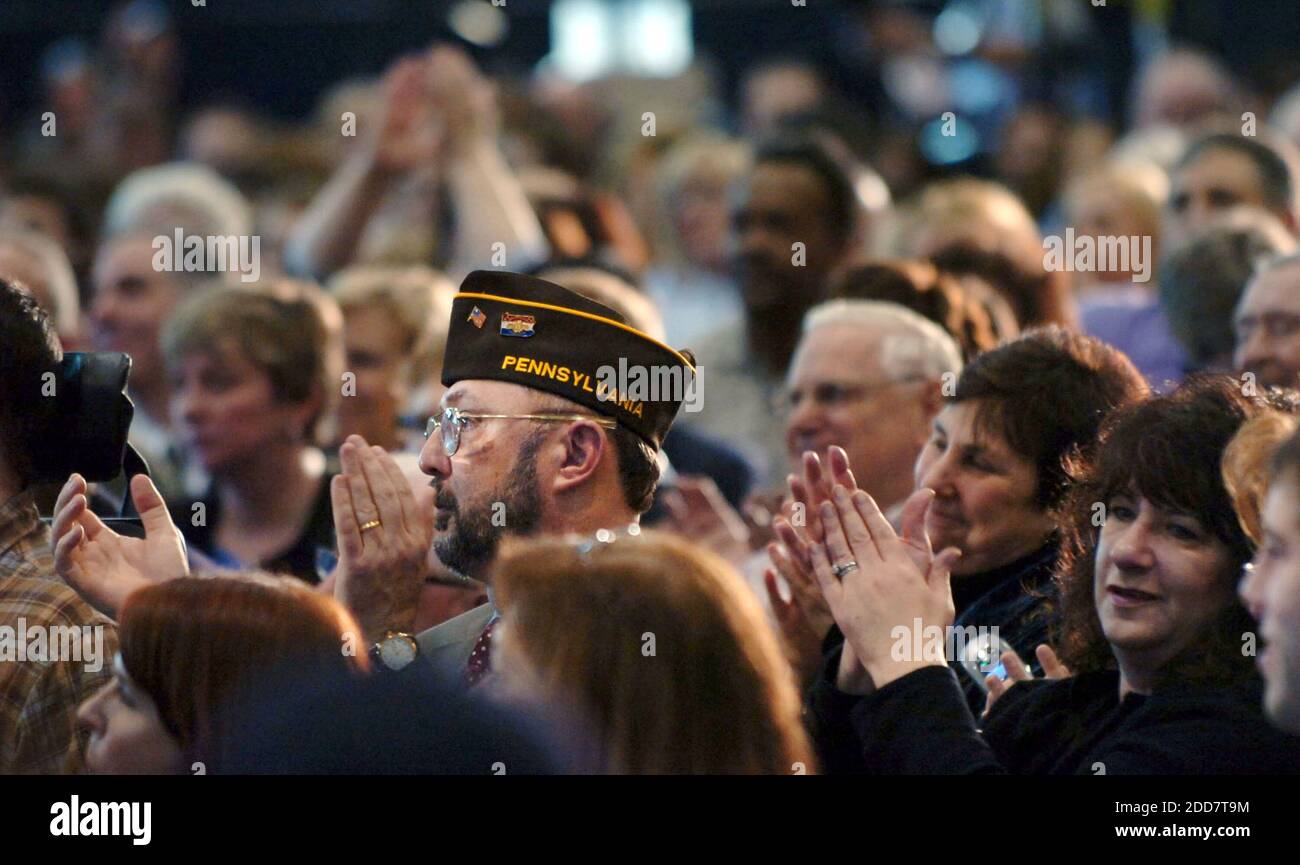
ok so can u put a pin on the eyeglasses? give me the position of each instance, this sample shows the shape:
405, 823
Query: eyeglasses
830, 394
1276, 325
453, 421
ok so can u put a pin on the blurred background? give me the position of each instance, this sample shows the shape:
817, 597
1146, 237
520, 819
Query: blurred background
624, 136
142, 81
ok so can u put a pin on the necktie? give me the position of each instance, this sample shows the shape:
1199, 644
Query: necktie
480, 660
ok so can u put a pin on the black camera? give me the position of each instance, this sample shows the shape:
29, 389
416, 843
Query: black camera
91, 418
89, 424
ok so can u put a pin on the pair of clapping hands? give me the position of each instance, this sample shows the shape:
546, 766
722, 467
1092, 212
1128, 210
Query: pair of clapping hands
434, 104
846, 564
381, 568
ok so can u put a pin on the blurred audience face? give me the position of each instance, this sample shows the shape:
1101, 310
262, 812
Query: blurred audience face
16, 263
1268, 327
1216, 181
700, 219
127, 737
1107, 204
224, 139
373, 344
839, 393
493, 474
36, 213
1099, 211
225, 410
985, 500
1029, 158
782, 204
1184, 89
778, 91
1272, 594
132, 301
1160, 578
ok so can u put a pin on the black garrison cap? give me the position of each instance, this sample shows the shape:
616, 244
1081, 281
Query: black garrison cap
520, 329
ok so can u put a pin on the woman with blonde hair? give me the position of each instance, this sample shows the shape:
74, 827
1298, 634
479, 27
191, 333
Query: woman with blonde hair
657, 645
968, 226
253, 374
394, 333
1118, 205
1245, 465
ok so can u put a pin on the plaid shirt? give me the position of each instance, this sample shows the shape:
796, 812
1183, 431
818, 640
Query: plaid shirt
39, 697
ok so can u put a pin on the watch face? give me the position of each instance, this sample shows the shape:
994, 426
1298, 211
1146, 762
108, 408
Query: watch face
396, 652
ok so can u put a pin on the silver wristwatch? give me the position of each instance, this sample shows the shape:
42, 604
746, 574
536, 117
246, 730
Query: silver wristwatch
396, 651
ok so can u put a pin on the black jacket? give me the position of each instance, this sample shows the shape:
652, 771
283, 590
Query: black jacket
920, 724
1014, 599
299, 559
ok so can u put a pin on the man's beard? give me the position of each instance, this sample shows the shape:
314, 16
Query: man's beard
1271, 374
472, 543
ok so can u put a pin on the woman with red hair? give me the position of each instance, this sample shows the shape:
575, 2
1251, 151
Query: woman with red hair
192, 648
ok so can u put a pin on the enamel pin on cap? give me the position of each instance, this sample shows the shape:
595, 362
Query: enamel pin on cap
517, 324
558, 341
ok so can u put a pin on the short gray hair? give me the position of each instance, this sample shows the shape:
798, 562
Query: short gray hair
1271, 263
179, 194
913, 346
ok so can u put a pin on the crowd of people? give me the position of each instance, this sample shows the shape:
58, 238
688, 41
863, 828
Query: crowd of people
750, 447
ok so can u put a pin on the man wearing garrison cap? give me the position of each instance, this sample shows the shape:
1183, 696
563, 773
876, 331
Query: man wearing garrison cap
550, 425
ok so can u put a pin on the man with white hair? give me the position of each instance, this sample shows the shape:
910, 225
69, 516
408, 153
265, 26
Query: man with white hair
1267, 324
140, 274
183, 194
868, 377
131, 301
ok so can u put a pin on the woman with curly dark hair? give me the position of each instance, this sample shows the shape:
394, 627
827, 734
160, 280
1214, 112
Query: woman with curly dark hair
1150, 622
1162, 458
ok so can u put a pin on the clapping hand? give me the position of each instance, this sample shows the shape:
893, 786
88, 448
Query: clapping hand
813, 488
105, 566
463, 99
1018, 672
406, 136
805, 619
383, 543
876, 582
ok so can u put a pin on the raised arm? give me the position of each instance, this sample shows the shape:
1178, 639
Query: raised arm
404, 139
487, 198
